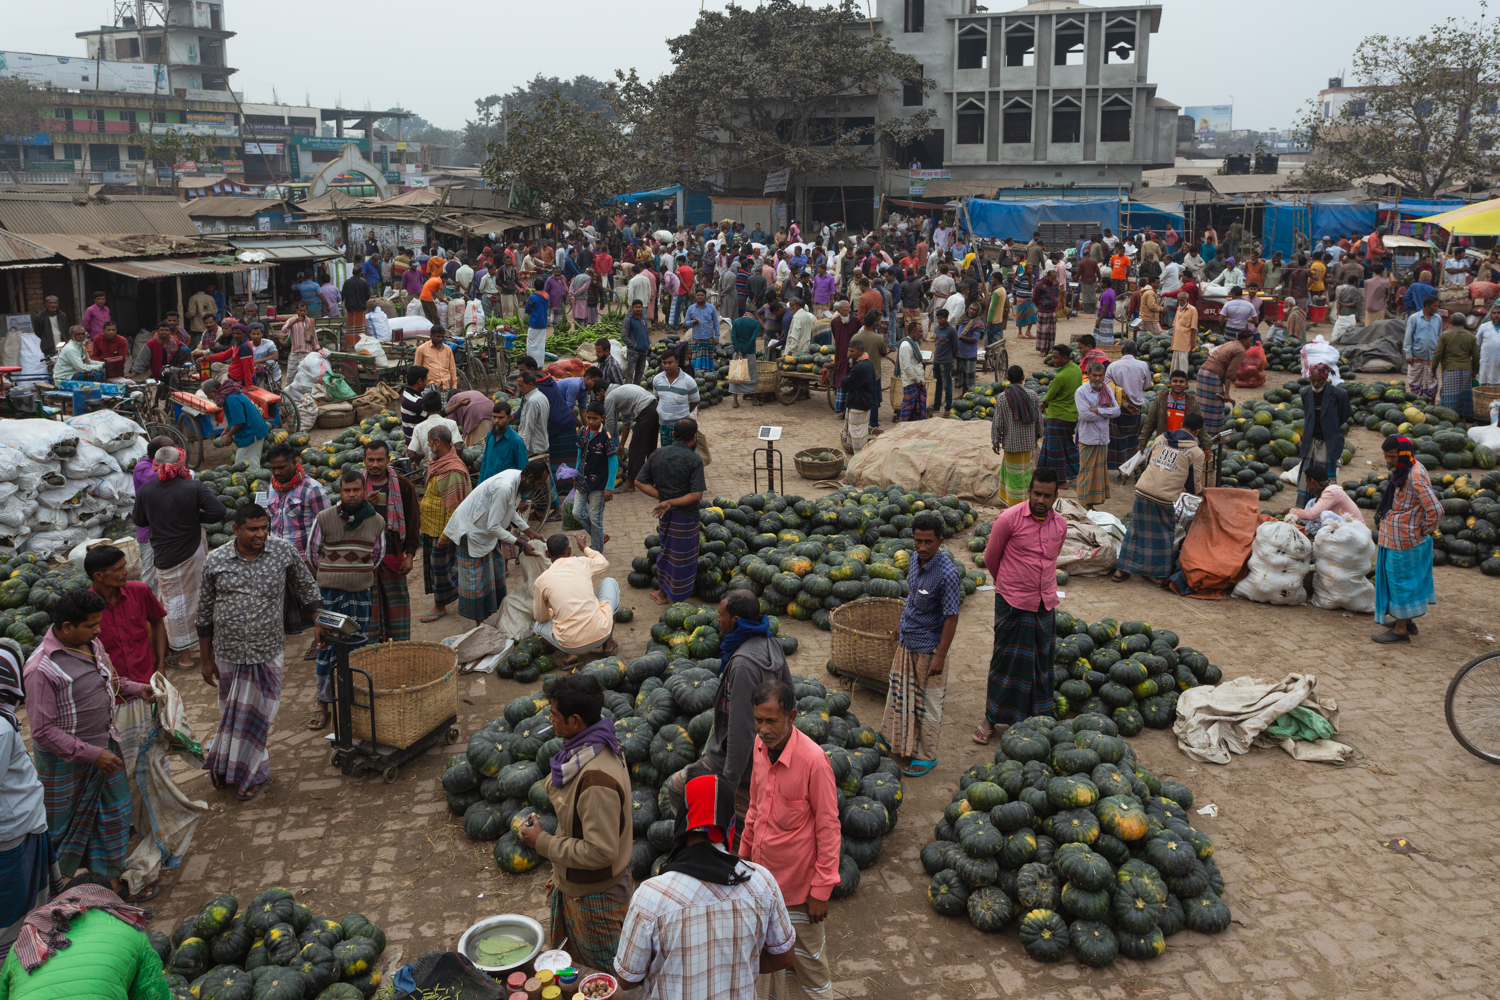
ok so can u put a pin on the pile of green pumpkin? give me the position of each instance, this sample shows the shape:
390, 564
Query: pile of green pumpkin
29, 590
803, 558
1438, 432
1070, 835
275, 949
662, 709
328, 461
1468, 533
711, 390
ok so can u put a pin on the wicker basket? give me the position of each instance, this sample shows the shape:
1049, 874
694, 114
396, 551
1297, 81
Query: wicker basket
765, 375
416, 690
808, 466
1484, 395
864, 643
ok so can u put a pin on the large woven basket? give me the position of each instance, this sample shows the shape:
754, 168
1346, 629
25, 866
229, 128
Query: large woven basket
808, 466
415, 690
864, 640
1484, 395
765, 376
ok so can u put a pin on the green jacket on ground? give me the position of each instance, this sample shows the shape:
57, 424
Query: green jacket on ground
107, 960
1058, 403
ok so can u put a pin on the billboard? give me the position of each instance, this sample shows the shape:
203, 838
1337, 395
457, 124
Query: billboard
1211, 117
63, 73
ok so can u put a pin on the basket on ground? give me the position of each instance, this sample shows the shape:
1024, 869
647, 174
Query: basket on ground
765, 376
811, 466
415, 690
1484, 395
864, 640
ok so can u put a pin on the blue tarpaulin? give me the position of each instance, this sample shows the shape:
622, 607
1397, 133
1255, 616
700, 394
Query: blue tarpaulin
656, 195
1335, 217
1416, 206
997, 220
1145, 216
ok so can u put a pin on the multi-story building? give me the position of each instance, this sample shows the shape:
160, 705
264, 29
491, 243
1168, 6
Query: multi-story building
186, 37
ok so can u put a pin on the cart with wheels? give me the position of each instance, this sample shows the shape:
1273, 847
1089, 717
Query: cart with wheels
197, 419
792, 386
392, 702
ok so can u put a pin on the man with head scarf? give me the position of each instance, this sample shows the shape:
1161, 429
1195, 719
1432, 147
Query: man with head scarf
711, 922
1325, 409
28, 865
243, 422
175, 506
1408, 512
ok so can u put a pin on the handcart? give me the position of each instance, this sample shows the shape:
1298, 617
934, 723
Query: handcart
198, 419
793, 385
391, 702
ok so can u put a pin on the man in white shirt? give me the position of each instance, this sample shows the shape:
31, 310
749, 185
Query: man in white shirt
571, 616
432, 405
1171, 284
531, 422
943, 286
799, 331
73, 361
676, 396
1132, 375
491, 515
940, 237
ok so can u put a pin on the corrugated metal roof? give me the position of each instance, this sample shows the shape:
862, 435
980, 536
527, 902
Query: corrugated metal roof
284, 247
232, 207
17, 248
107, 246
169, 267
459, 223
24, 212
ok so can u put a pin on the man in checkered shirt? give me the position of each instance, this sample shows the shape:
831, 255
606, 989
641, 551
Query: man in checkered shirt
710, 923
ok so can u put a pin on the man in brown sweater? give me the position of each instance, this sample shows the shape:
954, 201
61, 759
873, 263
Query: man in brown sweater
589, 788
343, 549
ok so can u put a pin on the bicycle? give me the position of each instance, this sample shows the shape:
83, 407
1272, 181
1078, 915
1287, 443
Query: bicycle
1472, 706
151, 406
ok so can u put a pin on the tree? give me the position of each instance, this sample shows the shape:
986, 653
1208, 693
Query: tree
172, 147
561, 163
21, 106
492, 112
770, 87
1425, 115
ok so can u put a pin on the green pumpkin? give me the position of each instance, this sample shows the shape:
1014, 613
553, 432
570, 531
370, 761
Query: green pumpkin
272, 907
354, 956
232, 944
276, 983
990, 909
281, 944
948, 894
512, 855
216, 915
226, 983
986, 795
1044, 935
1038, 887
318, 964
1143, 946
1094, 943
191, 958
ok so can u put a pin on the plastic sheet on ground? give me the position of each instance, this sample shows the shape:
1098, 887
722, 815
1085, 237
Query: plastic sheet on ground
933, 456
1375, 348
478, 649
1089, 548
1217, 546
160, 811
1280, 560
1216, 721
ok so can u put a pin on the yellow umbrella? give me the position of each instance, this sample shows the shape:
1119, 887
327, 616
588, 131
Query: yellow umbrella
1479, 219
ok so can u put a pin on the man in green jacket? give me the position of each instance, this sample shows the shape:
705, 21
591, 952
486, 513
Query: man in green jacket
101, 952
1059, 450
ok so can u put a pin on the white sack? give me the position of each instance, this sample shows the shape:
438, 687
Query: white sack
516, 621
42, 440
1342, 556
1280, 559
107, 429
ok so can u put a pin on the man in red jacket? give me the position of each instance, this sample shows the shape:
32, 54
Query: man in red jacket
792, 828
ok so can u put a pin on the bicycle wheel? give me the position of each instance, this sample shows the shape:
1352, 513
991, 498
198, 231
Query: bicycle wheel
479, 375
156, 430
192, 438
1472, 706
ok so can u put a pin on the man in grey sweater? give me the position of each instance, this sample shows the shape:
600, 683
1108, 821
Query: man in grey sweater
748, 655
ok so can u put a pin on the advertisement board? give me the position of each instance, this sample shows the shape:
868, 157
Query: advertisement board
264, 148
64, 73
332, 143
191, 128
776, 181
917, 185
1211, 117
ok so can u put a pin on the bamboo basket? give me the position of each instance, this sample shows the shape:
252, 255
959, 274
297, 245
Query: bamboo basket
1484, 395
864, 643
765, 375
808, 466
415, 691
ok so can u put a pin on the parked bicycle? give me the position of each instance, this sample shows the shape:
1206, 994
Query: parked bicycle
1472, 706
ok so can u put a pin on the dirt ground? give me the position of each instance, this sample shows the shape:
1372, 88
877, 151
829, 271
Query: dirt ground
1321, 909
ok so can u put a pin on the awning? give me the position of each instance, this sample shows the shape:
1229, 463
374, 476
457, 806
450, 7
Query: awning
167, 267
930, 206
950, 188
286, 248
656, 195
459, 225
1480, 219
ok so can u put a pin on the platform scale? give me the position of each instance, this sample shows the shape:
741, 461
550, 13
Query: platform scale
355, 756
773, 467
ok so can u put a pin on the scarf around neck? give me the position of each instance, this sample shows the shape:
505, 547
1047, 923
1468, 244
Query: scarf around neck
290, 484
743, 629
45, 931
1023, 408
354, 518
1404, 460
581, 749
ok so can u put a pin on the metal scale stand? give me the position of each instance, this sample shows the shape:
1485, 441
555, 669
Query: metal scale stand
355, 756
773, 467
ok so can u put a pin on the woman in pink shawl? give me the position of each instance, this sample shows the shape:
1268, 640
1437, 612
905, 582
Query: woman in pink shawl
473, 411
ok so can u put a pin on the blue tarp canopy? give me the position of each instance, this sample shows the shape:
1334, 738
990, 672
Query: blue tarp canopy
997, 220
657, 195
1416, 206
1148, 216
1335, 217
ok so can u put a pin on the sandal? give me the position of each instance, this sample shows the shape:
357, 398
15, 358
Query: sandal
318, 720
982, 734
917, 768
660, 598
1391, 636
311, 654
1120, 577
247, 796
434, 616
145, 895
219, 783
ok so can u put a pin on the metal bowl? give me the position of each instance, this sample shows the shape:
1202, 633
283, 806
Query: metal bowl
516, 924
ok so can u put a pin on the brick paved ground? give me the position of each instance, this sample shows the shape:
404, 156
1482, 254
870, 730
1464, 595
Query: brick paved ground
1321, 910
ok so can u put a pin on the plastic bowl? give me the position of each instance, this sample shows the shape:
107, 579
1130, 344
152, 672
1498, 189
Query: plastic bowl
614, 985
516, 924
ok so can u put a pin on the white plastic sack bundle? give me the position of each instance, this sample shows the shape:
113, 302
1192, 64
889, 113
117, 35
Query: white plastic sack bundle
1319, 351
131, 454
90, 461
516, 621
1342, 556
1280, 559
42, 440
70, 494
13, 462
107, 429
48, 544
17, 511
118, 487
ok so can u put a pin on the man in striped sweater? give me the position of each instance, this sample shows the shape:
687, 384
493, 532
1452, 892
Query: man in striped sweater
343, 549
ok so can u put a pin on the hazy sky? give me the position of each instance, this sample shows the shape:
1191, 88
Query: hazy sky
435, 58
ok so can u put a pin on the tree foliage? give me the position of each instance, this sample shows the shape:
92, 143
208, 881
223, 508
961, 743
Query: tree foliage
21, 106
1426, 114
769, 87
170, 147
561, 163
492, 111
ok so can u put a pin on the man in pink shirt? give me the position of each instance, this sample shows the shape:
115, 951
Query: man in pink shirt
95, 316
1331, 498
1022, 557
792, 829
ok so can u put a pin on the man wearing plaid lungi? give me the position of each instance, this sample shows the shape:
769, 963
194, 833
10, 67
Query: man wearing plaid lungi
394, 499
344, 548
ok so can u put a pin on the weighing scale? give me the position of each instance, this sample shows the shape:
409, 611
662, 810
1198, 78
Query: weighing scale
773, 466
355, 756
